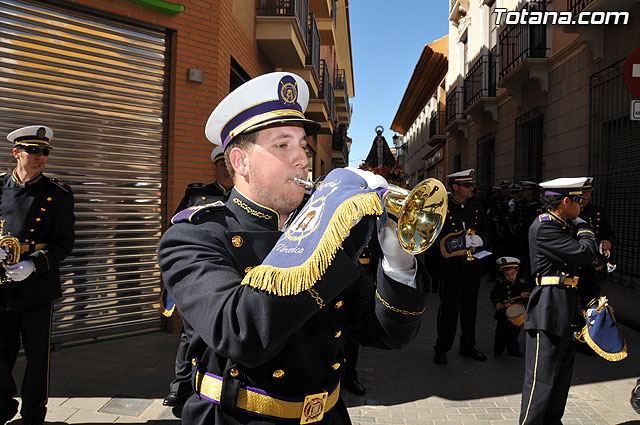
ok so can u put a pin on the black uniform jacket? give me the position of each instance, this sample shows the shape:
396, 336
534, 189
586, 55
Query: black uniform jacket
199, 194
286, 345
463, 217
40, 215
556, 248
503, 290
596, 217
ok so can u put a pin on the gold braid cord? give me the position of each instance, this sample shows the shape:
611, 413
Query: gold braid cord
397, 310
293, 280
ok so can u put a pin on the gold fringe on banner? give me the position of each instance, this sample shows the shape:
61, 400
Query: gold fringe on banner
612, 357
293, 280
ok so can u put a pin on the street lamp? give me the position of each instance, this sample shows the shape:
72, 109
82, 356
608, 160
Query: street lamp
397, 142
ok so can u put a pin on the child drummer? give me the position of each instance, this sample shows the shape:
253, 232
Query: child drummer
507, 293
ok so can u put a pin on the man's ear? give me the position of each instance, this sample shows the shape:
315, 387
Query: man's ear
239, 161
16, 153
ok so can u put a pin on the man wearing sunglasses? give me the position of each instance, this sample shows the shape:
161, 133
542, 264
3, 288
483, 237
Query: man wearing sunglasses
38, 211
559, 242
460, 274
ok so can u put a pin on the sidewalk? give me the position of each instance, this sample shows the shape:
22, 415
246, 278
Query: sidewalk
124, 381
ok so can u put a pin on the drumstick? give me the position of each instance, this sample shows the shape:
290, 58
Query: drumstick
507, 301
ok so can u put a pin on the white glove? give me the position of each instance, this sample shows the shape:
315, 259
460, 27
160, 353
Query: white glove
3, 254
21, 270
374, 181
396, 263
474, 241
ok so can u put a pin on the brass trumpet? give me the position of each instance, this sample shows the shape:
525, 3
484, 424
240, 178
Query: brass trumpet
10, 244
471, 249
420, 212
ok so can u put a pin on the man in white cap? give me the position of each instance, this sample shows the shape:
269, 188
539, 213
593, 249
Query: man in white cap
38, 210
201, 194
559, 242
268, 341
464, 230
195, 194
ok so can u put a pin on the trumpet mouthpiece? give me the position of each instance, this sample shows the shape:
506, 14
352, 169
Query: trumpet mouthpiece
302, 182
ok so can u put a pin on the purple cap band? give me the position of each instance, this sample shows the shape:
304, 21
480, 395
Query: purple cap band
247, 114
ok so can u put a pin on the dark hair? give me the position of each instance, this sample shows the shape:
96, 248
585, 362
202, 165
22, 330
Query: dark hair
550, 202
242, 141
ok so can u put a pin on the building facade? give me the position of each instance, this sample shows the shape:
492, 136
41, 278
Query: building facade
540, 101
420, 116
127, 86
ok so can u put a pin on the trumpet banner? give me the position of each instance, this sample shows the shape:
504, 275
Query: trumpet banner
308, 246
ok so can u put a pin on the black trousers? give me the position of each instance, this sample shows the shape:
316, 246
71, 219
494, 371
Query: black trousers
506, 336
351, 349
34, 328
547, 378
183, 368
457, 297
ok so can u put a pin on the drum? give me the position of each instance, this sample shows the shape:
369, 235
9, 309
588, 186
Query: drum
515, 314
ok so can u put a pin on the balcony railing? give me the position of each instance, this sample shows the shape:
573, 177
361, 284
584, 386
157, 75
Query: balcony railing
436, 124
297, 8
577, 6
453, 110
339, 142
521, 41
339, 81
313, 43
480, 81
327, 87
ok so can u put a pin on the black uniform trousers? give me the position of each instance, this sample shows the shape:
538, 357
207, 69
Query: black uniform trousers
351, 349
546, 385
457, 296
183, 366
34, 327
506, 335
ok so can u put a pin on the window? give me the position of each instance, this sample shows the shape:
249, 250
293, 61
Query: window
485, 165
457, 163
237, 76
528, 152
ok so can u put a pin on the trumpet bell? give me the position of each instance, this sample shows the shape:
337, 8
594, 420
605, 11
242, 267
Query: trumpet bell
420, 213
12, 246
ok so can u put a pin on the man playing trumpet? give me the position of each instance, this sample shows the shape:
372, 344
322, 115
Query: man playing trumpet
559, 242
269, 302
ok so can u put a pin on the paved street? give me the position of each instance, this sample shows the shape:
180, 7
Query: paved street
123, 381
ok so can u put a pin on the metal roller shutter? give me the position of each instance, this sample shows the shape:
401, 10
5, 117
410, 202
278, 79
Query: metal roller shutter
102, 86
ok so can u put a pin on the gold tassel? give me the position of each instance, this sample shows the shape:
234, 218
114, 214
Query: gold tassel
293, 280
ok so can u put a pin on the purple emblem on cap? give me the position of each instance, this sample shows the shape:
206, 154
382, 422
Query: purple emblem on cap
288, 90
